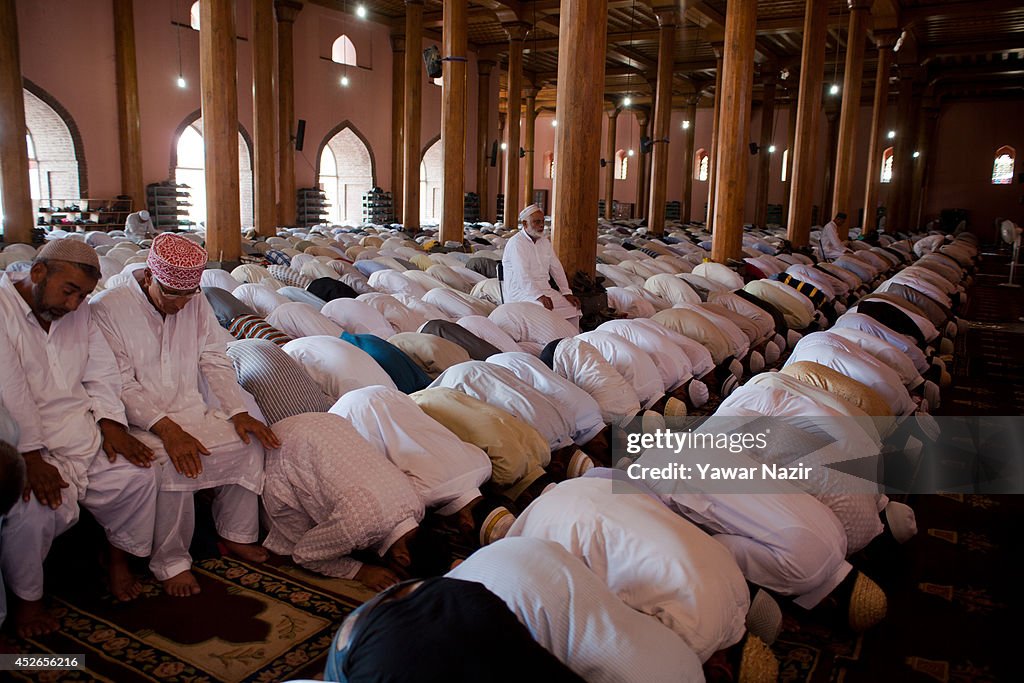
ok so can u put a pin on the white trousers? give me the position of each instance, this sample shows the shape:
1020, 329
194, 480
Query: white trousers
122, 498
235, 514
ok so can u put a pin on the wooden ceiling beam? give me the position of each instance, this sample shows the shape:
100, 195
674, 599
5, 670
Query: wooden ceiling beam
943, 10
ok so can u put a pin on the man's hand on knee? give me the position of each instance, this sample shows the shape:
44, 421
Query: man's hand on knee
117, 440
182, 448
42, 479
246, 424
546, 302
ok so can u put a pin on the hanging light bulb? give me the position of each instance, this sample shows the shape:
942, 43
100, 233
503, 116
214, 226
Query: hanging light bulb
891, 135
181, 82
554, 123
834, 90
686, 125
504, 145
917, 154
631, 152
626, 101
344, 81
771, 149
361, 11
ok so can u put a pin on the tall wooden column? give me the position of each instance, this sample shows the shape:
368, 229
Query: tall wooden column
529, 134
642, 178
832, 116
846, 152
884, 42
802, 154
413, 107
220, 128
264, 122
582, 34
902, 164
733, 125
128, 126
791, 148
516, 34
688, 135
397, 122
17, 194
609, 169
713, 153
453, 121
927, 122
662, 118
483, 118
287, 11
765, 141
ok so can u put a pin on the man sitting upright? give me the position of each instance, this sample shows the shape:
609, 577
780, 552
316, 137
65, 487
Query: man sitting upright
529, 262
59, 382
182, 397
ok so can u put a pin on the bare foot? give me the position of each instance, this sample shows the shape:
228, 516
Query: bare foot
123, 583
182, 585
31, 619
376, 578
250, 552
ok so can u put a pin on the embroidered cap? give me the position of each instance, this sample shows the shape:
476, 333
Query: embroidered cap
176, 262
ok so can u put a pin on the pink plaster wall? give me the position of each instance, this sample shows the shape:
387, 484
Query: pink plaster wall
82, 79
966, 139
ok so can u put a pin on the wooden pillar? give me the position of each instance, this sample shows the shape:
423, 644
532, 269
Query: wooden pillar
832, 116
662, 119
884, 42
898, 217
17, 194
397, 122
220, 129
413, 107
609, 169
803, 153
529, 134
287, 11
502, 153
641, 165
264, 122
453, 121
483, 118
846, 152
688, 134
791, 147
927, 122
764, 157
734, 125
582, 34
713, 153
516, 34
128, 127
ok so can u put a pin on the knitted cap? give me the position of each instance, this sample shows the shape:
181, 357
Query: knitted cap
72, 251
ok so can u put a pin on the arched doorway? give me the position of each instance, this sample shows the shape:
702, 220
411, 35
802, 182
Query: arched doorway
346, 174
431, 173
189, 165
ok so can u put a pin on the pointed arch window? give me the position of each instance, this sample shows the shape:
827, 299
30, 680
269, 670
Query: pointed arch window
785, 165
193, 15
549, 164
887, 165
1002, 166
621, 164
343, 51
701, 164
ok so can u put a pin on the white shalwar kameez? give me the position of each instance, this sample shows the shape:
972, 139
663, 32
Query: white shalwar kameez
864, 323
499, 387
571, 400
531, 325
57, 386
528, 265
631, 362
445, 471
168, 366
584, 366
672, 362
574, 616
655, 561
336, 365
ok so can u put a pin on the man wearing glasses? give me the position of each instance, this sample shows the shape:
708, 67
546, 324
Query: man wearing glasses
182, 399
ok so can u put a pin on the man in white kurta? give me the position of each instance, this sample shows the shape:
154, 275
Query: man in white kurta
570, 612
182, 398
138, 226
829, 241
60, 383
529, 262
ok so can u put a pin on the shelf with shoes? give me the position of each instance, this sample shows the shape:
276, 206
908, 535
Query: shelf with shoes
87, 213
168, 203
310, 206
471, 207
378, 207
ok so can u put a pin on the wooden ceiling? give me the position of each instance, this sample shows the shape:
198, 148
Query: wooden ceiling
966, 49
